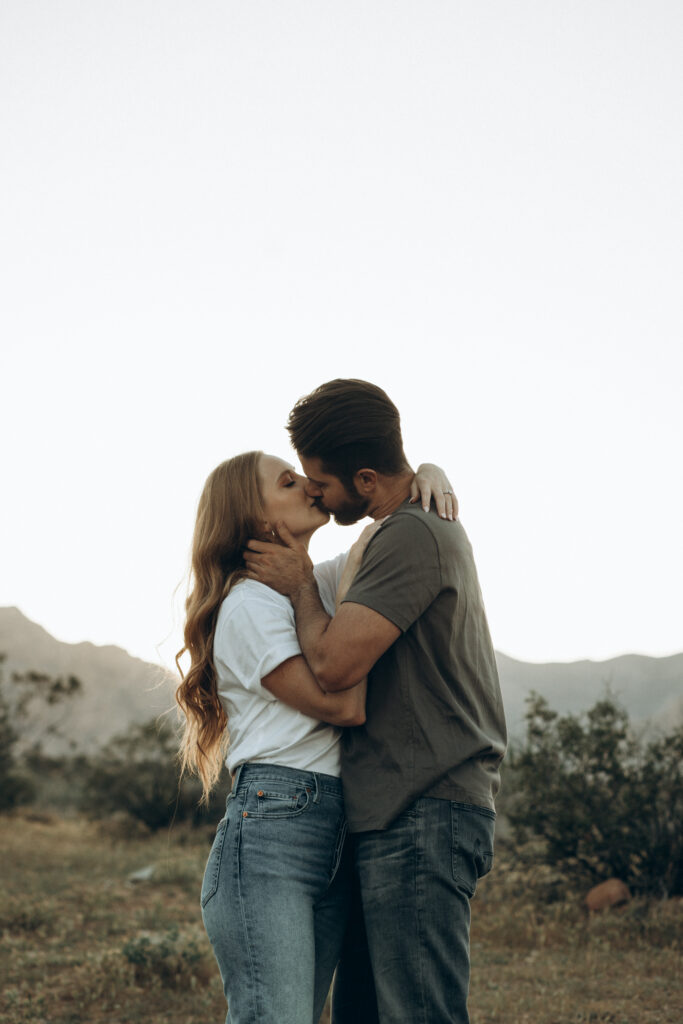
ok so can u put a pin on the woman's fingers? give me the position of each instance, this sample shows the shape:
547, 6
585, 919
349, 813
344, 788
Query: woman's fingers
430, 483
446, 503
440, 502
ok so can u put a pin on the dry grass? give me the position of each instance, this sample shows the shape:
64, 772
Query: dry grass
541, 962
82, 945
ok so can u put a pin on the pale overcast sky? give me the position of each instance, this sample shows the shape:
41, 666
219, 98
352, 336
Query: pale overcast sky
208, 209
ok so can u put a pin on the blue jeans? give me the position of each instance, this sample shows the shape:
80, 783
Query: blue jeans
417, 878
353, 992
276, 893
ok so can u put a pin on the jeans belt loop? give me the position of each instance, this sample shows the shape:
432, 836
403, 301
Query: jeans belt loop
316, 798
235, 780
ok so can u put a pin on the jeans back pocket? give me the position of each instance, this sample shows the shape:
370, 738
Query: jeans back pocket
472, 831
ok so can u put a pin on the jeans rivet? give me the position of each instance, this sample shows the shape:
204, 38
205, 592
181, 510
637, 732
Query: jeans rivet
260, 793
308, 789
245, 814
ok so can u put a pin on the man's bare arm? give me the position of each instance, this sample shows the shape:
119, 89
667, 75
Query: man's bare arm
340, 651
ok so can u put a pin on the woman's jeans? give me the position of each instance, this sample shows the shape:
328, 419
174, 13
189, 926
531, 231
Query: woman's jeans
276, 893
416, 879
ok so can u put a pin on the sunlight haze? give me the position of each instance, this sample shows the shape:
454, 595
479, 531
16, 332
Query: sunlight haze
210, 208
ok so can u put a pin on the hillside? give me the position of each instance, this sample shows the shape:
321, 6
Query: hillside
651, 689
119, 689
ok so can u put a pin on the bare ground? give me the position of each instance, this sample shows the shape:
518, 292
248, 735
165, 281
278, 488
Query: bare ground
83, 945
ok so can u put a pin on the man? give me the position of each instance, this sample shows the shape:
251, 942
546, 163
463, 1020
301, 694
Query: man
421, 775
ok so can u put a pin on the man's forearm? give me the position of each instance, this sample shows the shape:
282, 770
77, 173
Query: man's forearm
311, 626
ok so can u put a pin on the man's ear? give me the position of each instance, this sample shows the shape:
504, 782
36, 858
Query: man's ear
365, 481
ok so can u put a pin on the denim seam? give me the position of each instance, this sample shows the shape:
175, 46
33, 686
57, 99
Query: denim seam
419, 900
218, 861
330, 790
485, 811
341, 839
277, 815
269, 773
247, 944
456, 856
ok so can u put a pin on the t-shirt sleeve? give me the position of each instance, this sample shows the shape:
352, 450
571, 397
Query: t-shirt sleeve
254, 638
327, 575
400, 574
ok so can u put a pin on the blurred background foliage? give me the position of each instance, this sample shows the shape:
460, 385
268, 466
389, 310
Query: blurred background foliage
584, 795
601, 800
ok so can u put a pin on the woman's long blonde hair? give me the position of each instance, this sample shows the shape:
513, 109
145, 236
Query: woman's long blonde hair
230, 511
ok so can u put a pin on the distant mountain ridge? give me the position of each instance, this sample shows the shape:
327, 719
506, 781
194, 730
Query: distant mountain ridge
651, 689
119, 690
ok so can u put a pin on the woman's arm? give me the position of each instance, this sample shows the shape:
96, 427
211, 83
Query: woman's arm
353, 560
294, 684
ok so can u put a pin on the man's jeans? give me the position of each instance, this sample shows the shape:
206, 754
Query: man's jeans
276, 893
416, 880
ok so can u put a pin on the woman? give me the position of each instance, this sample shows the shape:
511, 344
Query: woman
276, 890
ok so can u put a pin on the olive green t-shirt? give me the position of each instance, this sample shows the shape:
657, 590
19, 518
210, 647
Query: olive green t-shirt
435, 724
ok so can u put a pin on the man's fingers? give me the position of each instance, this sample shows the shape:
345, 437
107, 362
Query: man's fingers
283, 533
258, 545
254, 559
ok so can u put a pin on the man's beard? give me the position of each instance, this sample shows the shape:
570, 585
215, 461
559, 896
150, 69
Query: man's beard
354, 509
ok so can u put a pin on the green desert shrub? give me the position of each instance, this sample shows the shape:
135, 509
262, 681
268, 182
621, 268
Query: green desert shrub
605, 801
173, 959
29, 702
15, 786
137, 773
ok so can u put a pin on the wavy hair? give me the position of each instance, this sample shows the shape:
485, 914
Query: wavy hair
230, 511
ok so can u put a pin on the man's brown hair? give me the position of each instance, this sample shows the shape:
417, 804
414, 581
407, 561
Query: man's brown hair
349, 425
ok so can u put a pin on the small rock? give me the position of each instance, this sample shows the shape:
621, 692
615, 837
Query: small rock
143, 875
608, 894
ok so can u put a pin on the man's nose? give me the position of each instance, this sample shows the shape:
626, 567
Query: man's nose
312, 490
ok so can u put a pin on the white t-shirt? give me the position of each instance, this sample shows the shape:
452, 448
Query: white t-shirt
255, 633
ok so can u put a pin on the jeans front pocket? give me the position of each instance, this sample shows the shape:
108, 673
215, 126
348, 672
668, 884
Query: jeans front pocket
213, 864
471, 844
276, 798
